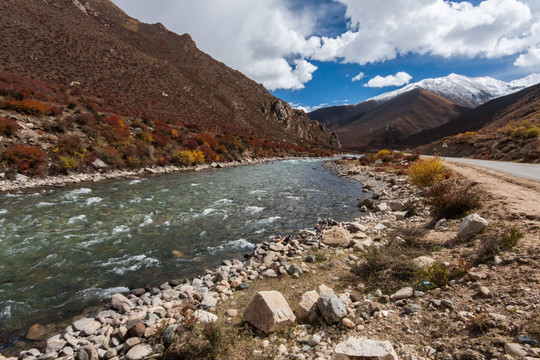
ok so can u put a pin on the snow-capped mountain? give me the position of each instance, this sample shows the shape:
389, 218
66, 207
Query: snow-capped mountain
463, 90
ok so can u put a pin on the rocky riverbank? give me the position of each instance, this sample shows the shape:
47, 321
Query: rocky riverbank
486, 310
20, 182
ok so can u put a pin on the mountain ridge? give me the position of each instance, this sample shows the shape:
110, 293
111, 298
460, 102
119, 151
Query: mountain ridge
143, 70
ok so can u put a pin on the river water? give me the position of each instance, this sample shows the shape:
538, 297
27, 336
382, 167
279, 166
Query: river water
65, 249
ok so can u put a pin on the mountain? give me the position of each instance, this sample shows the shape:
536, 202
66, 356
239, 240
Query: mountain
463, 90
472, 120
375, 124
507, 128
142, 70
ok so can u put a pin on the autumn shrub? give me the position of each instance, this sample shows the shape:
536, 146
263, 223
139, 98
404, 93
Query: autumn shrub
426, 172
28, 106
110, 156
8, 127
188, 157
65, 164
209, 154
26, 159
381, 154
452, 199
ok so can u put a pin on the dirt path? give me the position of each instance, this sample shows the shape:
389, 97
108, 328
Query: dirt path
510, 199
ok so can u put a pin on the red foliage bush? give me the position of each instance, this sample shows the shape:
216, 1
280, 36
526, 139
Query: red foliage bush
27, 106
26, 159
8, 127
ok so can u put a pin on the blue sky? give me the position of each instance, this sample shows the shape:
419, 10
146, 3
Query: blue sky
309, 52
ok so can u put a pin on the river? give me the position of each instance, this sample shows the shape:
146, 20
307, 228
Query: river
62, 250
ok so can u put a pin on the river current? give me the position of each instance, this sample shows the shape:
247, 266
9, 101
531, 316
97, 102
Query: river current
62, 250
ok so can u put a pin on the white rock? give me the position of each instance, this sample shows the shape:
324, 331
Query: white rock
404, 293
269, 311
139, 352
358, 348
307, 308
336, 236
205, 316
471, 225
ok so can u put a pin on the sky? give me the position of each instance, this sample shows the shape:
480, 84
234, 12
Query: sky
318, 53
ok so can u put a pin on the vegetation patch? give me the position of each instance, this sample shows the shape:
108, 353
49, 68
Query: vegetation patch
426, 172
452, 199
496, 240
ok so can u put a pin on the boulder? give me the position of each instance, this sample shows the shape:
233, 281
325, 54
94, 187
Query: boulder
471, 226
99, 164
307, 308
331, 308
381, 207
336, 236
121, 303
358, 348
356, 227
269, 311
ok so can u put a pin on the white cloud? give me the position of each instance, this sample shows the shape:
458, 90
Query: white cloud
492, 29
275, 43
359, 77
530, 59
399, 79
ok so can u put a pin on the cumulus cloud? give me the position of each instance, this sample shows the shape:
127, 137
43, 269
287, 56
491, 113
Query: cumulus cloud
275, 42
399, 79
530, 59
359, 77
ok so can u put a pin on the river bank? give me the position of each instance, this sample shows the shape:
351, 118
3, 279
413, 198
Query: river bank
22, 182
487, 311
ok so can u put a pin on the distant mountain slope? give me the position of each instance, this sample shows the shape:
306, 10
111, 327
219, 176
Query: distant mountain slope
374, 125
463, 90
142, 70
508, 129
472, 120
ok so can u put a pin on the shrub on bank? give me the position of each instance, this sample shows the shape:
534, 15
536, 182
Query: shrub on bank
426, 172
188, 157
26, 159
452, 199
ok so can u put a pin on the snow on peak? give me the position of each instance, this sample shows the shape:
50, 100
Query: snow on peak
464, 90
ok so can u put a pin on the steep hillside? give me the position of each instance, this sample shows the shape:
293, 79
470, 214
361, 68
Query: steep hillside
142, 70
372, 125
508, 129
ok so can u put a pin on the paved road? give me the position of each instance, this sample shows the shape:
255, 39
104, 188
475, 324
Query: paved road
528, 171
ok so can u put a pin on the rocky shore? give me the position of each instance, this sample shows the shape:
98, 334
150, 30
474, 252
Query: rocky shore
20, 182
301, 301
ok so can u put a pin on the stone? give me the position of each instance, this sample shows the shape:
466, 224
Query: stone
356, 227
120, 302
208, 301
404, 293
323, 289
381, 207
336, 236
169, 334
231, 312
468, 355
348, 323
483, 291
21, 178
411, 308
471, 225
269, 311
87, 352
315, 340
136, 328
400, 215
139, 352
331, 308
365, 202
515, 349
99, 164
55, 344
358, 348
307, 308
205, 316
423, 261
37, 332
